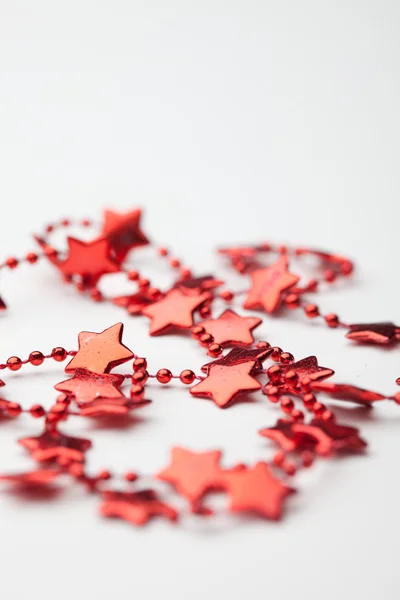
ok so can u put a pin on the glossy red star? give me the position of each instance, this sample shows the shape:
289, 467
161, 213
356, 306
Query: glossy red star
54, 445
256, 490
86, 386
240, 355
230, 328
174, 310
283, 435
123, 231
374, 333
90, 260
224, 383
38, 478
331, 437
198, 285
308, 367
100, 352
193, 473
268, 284
349, 393
135, 507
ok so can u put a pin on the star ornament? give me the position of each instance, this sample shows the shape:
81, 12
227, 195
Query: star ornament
256, 490
100, 352
193, 473
90, 260
240, 355
31, 479
287, 439
331, 437
54, 445
198, 285
174, 310
123, 232
135, 507
308, 367
268, 284
374, 333
348, 393
230, 328
224, 383
86, 386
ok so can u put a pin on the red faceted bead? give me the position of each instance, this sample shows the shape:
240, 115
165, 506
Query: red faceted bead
164, 375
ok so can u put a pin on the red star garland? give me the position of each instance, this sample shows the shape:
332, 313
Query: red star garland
86, 386
230, 328
267, 286
90, 260
224, 383
54, 445
175, 310
123, 232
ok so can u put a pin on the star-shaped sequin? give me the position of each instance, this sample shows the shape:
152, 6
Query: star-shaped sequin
308, 367
193, 473
349, 393
90, 260
100, 352
123, 231
268, 284
174, 310
223, 383
374, 333
240, 355
230, 328
86, 386
135, 507
198, 285
329, 436
256, 490
54, 445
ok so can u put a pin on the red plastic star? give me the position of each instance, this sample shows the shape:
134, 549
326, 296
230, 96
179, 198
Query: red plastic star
123, 231
100, 352
90, 260
198, 285
175, 310
268, 285
136, 507
350, 393
283, 435
330, 436
86, 386
231, 328
54, 445
375, 333
257, 490
238, 356
224, 383
105, 409
308, 367
38, 478
134, 303
193, 473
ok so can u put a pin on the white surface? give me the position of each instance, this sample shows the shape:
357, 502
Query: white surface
228, 122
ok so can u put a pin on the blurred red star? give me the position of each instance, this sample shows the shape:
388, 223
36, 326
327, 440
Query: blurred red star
174, 310
193, 473
330, 436
230, 328
54, 445
90, 260
350, 393
224, 383
38, 478
268, 284
100, 352
86, 386
283, 435
135, 507
123, 231
256, 490
240, 355
375, 333
308, 367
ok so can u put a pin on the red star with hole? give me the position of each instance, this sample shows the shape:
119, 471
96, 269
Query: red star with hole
135, 507
256, 490
230, 328
308, 367
268, 284
100, 352
329, 436
54, 445
223, 384
374, 333
123, 231
86, 386
90, 260
174, 310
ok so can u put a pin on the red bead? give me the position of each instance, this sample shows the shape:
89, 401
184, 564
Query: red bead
50, 252
297, 416
175, 263
311, 310
133, 275
139, 364
307, 459
206, 339
14, 363
305, 383
65, 222
347, 268
185, 273
312, 285
163, 252
137, 392
226, 295
291, 377
187, 376
37, 411
86, 223
328, 415
279, 458
292, 301
318, 409
329, 275
36, 358
164, 375
205, 312
287, 405
197, 331
49, 228
290, 469
263, 345
130, 476
31, 257
96, 295
276, 353
274, 373
14, 409
143, 283
309, 400
154, 293
59, 354
286, 358
140, 377
104, 475
214, 350
332, 320
272, 392
12, 262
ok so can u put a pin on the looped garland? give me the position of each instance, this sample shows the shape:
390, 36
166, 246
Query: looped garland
307, 430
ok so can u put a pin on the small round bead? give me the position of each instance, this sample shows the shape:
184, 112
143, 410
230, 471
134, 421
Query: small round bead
187, 376
309, 400
305, 383
175, 263
311, 310
31, 257
185, 273
164, 375
12, 262
206, 339
332, 320
263, 345
14, 409
96, 295
272, 392
59, 354
226, 295
307, 459
143, 283
36, 358
140, 377
163, 252
197, 331
130, 476
318, 409
214, 350
279, 458
328, 415
347, 268
290, 469
297, 416
139, 364
274, 373
76, 470
50, 252
86, 222
291, 377
137, 392
154, 293
312, 285
287, 405
104, 475
292, 301
205, 312
49, 228
265, 247
80, 286
276, 353
133, 275
65, 222
37, 411
14, 363
329, 275
286, 358
282, 249
3, 366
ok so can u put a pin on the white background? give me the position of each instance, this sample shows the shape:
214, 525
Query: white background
227, 122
